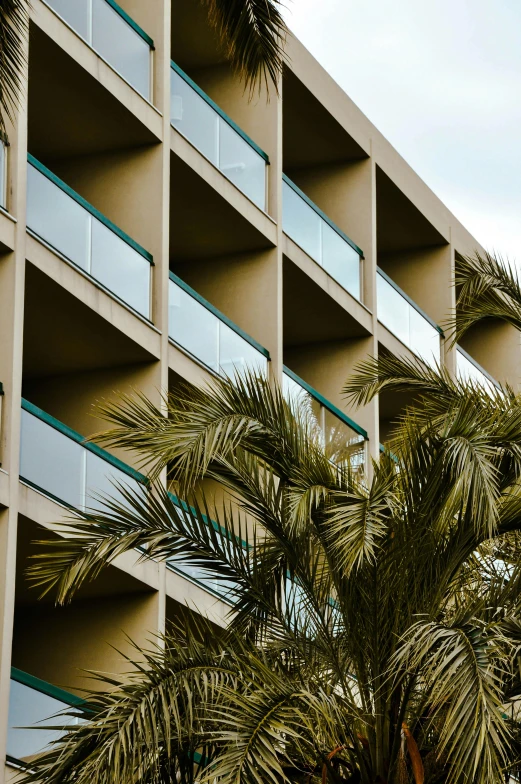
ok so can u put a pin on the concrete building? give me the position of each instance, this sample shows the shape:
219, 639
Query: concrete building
157, 226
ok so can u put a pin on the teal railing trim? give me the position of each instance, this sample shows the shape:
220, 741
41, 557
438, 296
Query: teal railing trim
74, 436
477, 365
411, 302
218, 109
321, 214
326, 403
134, 25
45, 688
384, 449
87, 206
217, 313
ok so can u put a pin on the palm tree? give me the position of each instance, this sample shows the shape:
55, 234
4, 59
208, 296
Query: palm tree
14, 27
375, 629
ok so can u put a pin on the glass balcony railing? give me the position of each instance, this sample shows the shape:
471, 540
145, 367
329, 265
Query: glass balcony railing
404, 319
201, 330
64, 220
343, 440
59, 462
35, 705
221, 589
217, 137
114, 36
312, 231
469, 370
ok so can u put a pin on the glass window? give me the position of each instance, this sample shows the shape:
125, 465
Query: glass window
236, 354
58, 219
29, 707
301, 223
425, 339
76, 14
242, 164
51, 461
393, 310
340, 260
121, 46
193, 326
194, 118
120, 268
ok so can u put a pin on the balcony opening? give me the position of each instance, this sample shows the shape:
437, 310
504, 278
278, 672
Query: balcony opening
314, 376
116, 36
327, 187
487, 353
414, 292
93, 176
53, 647
223, 273
312, 316
73, 358
210, 107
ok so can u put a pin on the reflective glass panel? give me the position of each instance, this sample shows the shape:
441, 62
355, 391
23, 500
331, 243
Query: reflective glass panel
76, 13
193, 326
120, 46
340, 260
51, 461
468, 371
236, 354
102, 478
343, 444
29, 707
194, 118
58, 219
221, 587
120, 268
301, 223
424, 339
242, 164
293, 392
393, 310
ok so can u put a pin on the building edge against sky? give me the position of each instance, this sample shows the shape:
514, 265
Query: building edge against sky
142, 193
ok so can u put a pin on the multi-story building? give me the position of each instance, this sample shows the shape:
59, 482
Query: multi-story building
156, 225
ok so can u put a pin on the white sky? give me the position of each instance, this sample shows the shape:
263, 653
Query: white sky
441, 79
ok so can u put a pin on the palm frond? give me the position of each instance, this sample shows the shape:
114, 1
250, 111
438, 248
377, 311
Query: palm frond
14, 29
488, 287
252, 34
462, 686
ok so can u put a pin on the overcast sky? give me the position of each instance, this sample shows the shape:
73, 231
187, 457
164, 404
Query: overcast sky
441, 79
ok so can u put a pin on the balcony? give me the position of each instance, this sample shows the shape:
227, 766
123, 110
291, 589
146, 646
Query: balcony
318, 236
343, 440
33, 706
221, 589
205, 333
469, 370
113, 35
401, 316
60, 463
77, 231
217, 137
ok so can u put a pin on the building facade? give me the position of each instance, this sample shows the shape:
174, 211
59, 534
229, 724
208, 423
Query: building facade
157, 226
